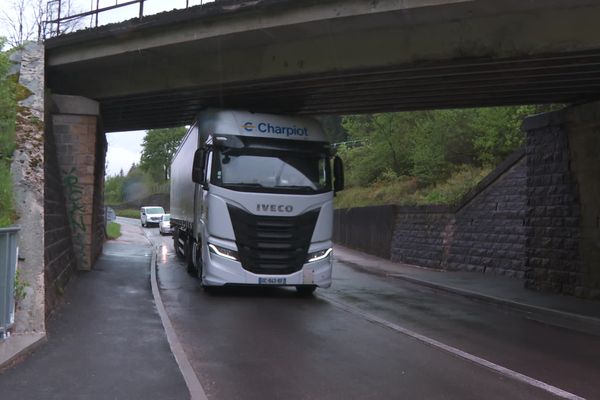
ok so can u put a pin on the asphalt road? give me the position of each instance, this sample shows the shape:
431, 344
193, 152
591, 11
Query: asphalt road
368, 337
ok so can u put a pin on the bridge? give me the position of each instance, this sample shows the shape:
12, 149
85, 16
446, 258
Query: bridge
314, 57
331, 57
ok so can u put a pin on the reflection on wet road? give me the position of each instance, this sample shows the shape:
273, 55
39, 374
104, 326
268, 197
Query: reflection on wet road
269, 343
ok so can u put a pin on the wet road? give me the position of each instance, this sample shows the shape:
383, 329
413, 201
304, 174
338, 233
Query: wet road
252, 343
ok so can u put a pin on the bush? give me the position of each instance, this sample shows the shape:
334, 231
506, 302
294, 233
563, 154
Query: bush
128, 213
113, 230
7, 139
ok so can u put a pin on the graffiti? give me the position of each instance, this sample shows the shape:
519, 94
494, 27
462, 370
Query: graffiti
75, 212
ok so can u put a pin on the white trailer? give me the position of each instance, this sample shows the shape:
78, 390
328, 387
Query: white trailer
252, 200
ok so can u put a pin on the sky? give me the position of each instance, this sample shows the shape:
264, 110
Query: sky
124, 148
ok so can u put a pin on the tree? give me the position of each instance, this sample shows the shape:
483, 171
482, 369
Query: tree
25, 19
158, 148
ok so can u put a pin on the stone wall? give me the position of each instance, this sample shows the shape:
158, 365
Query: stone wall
27, 171
485, 232
563, 220
488, 233
421, 235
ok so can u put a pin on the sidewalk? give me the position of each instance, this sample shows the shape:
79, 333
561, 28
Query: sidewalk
554, 309
106, 340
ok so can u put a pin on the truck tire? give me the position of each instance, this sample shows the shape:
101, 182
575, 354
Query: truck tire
189, 260
306, 290
176, 247
197, 258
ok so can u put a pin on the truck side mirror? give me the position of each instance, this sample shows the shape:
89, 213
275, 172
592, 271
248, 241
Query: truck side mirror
338, 174
198, 167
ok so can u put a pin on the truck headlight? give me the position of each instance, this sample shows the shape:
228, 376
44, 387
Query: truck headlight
318, 255
223, 252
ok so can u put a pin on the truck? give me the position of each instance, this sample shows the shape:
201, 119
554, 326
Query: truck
252, 200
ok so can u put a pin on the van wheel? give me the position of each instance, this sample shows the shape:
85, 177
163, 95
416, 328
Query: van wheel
306, 290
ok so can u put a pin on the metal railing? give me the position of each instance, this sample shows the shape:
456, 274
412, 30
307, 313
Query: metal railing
9, 253
58, 22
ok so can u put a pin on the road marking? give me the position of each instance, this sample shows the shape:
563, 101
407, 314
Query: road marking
191, 379
452, 350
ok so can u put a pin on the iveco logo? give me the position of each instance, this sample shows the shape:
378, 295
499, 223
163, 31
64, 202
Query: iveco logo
275, 207
248, 126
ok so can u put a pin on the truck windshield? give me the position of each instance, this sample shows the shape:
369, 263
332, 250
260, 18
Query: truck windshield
255, 170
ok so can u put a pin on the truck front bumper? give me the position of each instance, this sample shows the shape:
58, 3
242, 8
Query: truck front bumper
219, 271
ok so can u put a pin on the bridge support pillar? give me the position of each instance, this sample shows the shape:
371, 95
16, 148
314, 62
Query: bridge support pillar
81, 148
563, 192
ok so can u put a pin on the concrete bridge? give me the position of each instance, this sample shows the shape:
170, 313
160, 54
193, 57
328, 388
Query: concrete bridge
313, 57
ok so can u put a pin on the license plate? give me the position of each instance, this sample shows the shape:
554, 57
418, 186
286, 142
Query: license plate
271, 281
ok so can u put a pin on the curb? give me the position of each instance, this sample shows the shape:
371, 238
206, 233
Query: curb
9, 357
583, 323
563, 319
191, 379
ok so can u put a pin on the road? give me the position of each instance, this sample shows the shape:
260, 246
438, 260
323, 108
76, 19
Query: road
368, 337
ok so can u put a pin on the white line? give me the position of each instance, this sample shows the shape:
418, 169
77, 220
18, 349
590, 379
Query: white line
191, 380
454, 351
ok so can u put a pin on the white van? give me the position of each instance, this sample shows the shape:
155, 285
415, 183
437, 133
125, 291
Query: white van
151, 215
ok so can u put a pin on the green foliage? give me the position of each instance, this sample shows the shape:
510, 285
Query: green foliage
407, 191
113, 231
7, 138
128, 213
439, 154
158, 148
20, 287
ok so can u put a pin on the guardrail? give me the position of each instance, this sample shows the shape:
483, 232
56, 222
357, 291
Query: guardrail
9, 253
58, 22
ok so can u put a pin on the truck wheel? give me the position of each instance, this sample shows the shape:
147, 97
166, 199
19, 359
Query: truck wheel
176, 243
189, 259
197, 257
306, 290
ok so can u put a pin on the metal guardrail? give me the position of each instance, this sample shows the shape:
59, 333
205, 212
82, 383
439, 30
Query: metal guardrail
58, 23
9, 253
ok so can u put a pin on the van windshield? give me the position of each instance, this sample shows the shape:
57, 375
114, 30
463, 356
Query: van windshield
259, 170
155, 210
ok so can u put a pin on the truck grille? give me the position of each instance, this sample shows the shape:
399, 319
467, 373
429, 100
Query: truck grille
272, 245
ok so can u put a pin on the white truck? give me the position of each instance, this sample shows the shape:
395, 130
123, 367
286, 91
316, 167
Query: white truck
252, 200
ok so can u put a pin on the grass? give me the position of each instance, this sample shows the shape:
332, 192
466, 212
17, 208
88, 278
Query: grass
128, 213
113, 230
406, 191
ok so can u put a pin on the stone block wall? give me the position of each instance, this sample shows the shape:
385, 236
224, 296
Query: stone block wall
489, 234
421, 235
485, 232
563, 185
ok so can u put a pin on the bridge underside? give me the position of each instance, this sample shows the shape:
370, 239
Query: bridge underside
332, 57
564, 78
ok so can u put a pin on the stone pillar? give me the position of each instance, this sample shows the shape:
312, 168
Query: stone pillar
563, 201
27, 171
75, 128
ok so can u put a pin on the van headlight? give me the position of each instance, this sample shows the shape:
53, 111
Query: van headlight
223, 252
318, 255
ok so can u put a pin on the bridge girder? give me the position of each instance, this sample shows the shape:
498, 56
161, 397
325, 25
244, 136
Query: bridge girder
332, 57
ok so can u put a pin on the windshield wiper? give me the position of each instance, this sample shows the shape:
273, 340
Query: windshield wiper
244, 184
296, 187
